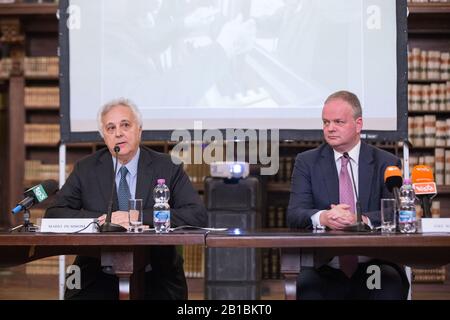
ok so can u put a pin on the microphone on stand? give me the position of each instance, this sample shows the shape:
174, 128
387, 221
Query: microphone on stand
393, 180
36, 195
424, 187
359, 226
33, 196
108, 226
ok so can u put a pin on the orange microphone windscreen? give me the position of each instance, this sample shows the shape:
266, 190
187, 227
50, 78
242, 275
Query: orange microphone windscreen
392, 171
422, 173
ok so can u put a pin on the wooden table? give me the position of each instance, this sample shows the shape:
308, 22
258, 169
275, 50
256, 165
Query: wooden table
123, 253
301, 249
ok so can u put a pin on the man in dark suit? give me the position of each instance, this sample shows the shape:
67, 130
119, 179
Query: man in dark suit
87, 190
322, 197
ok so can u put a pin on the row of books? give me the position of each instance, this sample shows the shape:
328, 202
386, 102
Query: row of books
432, 97
428, 131
35, 170
42, 133
41, 66
5, 67
436, 275
276, 217
271, 264
33, 67
194, 261
30, 1
284, 171
47, 266
428, 1
36, 97
428, 65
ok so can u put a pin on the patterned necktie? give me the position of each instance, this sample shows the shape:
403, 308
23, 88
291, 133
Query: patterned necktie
123, 193
348, 263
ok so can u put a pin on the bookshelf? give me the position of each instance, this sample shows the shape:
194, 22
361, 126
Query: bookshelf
429, 90
3, 140
429, 103
29, 33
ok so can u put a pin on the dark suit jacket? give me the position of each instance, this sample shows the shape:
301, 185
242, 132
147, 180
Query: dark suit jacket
87, 191
315, 183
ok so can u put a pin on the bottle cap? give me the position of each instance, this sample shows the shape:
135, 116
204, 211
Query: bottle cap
161, 181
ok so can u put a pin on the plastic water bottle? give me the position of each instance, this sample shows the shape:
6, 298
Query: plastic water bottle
161, 209
407, 212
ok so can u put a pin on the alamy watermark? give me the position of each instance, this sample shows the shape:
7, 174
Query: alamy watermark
374, 280
73, 277
257, 147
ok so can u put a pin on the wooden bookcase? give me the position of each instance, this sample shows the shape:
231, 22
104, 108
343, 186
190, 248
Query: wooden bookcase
27, 30
429, 30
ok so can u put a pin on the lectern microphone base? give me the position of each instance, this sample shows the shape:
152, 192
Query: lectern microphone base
112, 227
357, 227
29, 227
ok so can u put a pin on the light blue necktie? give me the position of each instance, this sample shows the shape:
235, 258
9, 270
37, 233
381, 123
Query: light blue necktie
124, 191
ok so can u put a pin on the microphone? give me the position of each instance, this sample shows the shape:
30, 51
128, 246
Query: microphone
108, 226
36, 195
393, 181
359, 226
424, 187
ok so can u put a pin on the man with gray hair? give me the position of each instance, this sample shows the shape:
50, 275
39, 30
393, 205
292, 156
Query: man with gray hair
86, 194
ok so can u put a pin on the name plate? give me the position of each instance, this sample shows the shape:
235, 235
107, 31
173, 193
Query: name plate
435, 225
69, 225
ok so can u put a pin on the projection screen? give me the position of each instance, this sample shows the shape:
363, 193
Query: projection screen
250, 64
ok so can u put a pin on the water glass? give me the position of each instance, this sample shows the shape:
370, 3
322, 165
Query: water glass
135, 215
388, 215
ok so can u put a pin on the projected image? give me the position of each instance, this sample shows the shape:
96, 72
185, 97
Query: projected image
233, 63
209, 53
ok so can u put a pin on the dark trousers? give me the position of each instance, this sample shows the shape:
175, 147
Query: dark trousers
106, 287
327, 283
169, 284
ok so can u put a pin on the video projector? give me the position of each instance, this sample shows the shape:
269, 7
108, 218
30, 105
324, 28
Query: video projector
230, 170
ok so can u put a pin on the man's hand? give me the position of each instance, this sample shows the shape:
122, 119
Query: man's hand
118, 217
121, 218
365, 219
337, 217
101, 220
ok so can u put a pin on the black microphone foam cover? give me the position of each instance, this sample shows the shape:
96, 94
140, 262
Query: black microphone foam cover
394, 182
